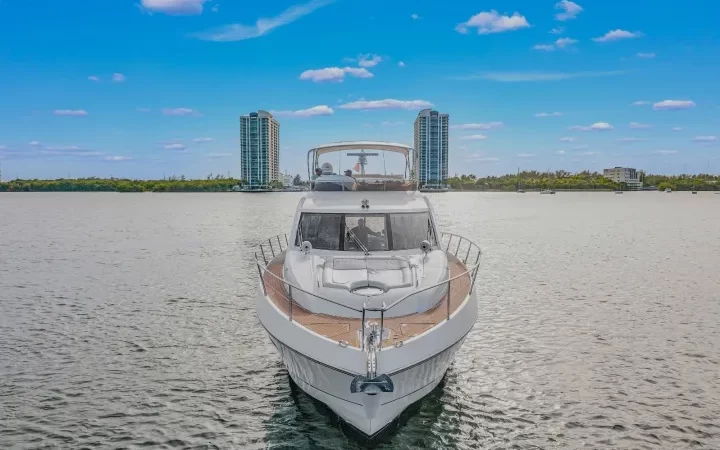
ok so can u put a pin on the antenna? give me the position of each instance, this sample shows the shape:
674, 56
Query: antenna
362, 159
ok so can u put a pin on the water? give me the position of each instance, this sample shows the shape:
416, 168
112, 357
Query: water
126, 321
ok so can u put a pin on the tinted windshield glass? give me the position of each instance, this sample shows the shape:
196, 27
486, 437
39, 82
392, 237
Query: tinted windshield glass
322, 230
409, 230
375, 232
368, 229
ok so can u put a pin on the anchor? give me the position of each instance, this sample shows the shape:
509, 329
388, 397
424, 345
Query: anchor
372, 383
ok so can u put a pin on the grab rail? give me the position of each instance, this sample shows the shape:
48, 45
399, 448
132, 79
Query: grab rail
471, 250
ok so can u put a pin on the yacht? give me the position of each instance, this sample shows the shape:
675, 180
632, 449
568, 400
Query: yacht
434, 188
365, 300
547, 191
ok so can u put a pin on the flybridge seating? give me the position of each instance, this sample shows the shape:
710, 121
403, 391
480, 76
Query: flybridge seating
324, 178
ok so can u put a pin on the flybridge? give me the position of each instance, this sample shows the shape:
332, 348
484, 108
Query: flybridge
324, 178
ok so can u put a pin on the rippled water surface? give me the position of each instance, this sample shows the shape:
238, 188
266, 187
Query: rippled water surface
127, 321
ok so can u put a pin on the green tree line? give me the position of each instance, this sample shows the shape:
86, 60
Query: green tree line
173, 184
526, 180
586, 180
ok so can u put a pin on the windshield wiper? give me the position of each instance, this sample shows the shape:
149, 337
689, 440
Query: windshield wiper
357, 241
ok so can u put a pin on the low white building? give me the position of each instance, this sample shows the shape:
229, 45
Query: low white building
626, 175
287, 180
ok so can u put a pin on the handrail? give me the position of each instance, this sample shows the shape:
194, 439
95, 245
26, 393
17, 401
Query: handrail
295, 287
470, 270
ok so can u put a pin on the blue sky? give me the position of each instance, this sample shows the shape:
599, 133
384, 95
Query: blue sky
150, 87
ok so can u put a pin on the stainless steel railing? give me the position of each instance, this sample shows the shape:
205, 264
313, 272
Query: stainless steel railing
461, 248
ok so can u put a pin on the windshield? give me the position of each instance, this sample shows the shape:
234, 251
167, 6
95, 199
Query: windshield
371, 232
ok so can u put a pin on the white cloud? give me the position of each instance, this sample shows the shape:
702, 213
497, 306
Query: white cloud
63, 148
93, 78
589, 153
639, 126
401, 64
474, 137
518, 77
358, 72
525, 155
545, 114
389, 123
673, 104
665, 152
580, 147
369, 60
70, 112
616, 35
560, 43
174, 146
544, 47
239, 32
179, 112
640, 103
492, 22
478, 126
81, 152
705, 139
334, 74
479, 157
388, 103
320, 110
601, 126
631, 139
558, 30
560, 152
646, 55
570, 10
567, 139
219, 155
564, 42
174, 7
119, 78
202, 140
118, 158
597, 126
415, 17
35, 144
678, 128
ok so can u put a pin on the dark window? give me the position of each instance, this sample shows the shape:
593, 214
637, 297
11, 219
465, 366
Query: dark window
368, 229
377, 232
409, 230
322, 230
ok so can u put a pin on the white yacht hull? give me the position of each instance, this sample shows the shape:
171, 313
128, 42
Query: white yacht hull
324, 369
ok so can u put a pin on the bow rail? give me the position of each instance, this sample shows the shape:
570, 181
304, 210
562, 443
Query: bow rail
459, 247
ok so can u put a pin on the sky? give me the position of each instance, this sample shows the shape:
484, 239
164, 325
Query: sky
153, 88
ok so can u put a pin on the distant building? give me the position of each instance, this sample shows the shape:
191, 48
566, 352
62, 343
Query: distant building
625, 175
259, 149
287, 180
431, 147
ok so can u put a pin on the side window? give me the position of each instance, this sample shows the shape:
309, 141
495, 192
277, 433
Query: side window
409, 230
322, 230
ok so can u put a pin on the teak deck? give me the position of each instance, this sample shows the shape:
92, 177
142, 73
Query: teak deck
346, 328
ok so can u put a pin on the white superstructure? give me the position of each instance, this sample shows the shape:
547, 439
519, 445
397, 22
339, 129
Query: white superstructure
365, 300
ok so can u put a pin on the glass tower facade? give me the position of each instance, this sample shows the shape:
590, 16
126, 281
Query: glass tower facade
259, 149
431, 147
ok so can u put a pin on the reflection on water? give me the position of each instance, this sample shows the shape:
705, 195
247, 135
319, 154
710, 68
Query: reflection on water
128, 321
